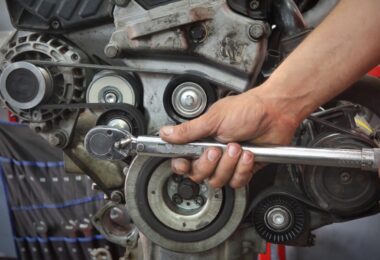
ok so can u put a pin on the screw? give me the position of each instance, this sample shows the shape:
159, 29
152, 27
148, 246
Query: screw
254, 4
111, 50
199, 200
256, 31
198, 33
177, 199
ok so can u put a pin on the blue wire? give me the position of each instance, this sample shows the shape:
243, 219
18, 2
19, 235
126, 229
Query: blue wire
59, 239
39, 164
4, 122
65, 204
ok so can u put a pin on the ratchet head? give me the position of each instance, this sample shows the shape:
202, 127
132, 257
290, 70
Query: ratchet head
109, 143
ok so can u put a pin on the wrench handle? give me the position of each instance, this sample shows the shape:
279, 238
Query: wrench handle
365, 159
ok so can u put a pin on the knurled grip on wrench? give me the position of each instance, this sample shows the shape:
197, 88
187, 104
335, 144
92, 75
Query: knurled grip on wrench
118, 144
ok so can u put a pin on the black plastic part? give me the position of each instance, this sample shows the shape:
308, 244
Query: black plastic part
293, 231
149, 4
22, 85
256, 9
128, 113
207, 87
191, 236
344, 192
56, 16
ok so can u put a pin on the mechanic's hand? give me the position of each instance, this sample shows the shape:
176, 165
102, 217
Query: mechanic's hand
255, 116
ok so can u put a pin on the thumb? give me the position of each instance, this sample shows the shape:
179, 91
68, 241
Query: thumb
187, 132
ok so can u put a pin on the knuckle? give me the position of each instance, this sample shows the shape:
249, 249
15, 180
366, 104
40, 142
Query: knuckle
180, 165
201, 168
216, 182
196, 178
184, 129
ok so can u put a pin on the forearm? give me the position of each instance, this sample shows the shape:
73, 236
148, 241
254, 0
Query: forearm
342, 49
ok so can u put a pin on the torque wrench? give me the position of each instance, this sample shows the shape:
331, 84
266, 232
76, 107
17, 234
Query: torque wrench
115, 144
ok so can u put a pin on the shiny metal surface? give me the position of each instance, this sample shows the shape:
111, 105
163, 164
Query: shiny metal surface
189, 99
120, 123
186, 217
278, 218
144, 227
365, 159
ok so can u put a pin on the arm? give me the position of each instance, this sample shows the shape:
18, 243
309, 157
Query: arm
343, 48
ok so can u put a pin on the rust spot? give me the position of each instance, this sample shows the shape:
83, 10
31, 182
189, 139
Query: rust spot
201, 14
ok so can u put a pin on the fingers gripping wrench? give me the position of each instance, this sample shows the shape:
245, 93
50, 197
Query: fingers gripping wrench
116, 144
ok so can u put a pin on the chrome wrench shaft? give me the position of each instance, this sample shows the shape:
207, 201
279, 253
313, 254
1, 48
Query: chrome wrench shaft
365, 158
115, 144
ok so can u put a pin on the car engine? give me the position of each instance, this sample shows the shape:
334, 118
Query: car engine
137, 65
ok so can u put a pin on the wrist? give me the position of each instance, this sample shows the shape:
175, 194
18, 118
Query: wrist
286, 103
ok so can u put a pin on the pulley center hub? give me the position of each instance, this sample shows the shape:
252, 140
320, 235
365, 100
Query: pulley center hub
189, 99
24, 85
278, 218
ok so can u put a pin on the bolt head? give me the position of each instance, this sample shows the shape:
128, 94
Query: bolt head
111, 50
110, 98
254, 4
199, 200
256, 31
198, 33
177, 199
177, 178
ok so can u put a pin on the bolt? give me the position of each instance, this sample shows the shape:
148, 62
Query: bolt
189, 100
140, 147
198, 33
177, 199
122, 3
110, 98
55, 24
111, 50
53, 140
57, 139
177, 178
199, 200
256, 31
254, 4
117, 196
345, 177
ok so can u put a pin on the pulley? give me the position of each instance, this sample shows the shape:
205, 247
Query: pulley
24, 85
126, 117
112, 87
343, 191
279, 219
175, 212
187, 97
